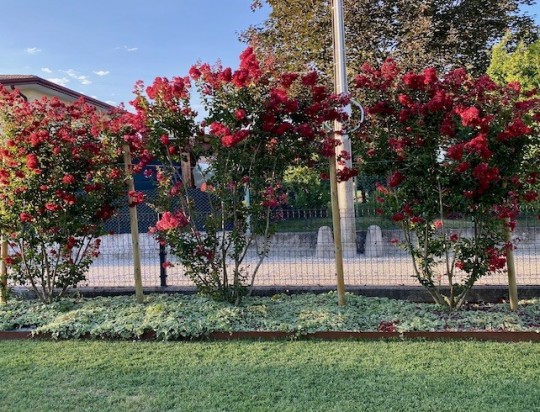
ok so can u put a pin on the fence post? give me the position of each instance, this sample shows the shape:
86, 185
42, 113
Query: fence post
162, 267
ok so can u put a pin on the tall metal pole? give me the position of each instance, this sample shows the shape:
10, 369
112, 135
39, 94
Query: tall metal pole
345, 189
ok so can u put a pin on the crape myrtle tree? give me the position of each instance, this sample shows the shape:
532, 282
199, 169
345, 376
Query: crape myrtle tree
259, 122
450, 146
416, 33
59, 182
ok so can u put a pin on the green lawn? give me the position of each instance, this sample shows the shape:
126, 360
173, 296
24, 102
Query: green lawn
269, 376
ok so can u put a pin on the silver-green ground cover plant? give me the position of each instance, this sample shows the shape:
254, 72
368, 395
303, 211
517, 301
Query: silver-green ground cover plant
173, 317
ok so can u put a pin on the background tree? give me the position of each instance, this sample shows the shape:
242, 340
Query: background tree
522, 64
305, 188
416, 33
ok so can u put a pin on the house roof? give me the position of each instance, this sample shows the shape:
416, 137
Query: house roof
22, 81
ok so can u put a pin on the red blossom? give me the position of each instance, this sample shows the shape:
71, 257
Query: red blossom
287, 79
170, 221
395, 179
164, 139
515, 129
455, 152
328, 147
310, 79
413, 81
479, 145
26, 217
486, 176
219, 129
389, 70
430, 76
496, 260
135, 198
405, 100
470, 116
32, 161
240, 114
398, 217
462, 167
530, 196
52, 207
195, 73
346, 173
68, 179
447, 127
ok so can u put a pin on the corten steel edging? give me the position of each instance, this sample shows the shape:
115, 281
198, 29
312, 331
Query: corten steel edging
501, 336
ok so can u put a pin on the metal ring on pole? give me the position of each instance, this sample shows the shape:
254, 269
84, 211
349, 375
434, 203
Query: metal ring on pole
328, 127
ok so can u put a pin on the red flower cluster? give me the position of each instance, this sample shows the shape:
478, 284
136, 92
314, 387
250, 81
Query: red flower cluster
171, 221
273, 197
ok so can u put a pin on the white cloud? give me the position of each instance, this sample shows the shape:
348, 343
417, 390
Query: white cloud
46, 70
75, 75
62, 81
102, 72
126, 48
112, 103
32, 50
71, 73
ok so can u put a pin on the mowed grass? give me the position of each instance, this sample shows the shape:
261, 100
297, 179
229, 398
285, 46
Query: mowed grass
269, 376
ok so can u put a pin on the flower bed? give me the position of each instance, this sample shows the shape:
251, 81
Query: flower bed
173, 317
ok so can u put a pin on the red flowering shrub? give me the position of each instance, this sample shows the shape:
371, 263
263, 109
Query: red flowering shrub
59, 184
259, 123
451, 144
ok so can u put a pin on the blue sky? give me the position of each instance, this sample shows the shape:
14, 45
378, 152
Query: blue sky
102, 47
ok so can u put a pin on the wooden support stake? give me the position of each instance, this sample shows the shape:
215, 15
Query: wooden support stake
134, 223
336, 223
511, 267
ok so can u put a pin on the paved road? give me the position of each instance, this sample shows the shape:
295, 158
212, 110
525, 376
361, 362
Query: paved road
396, 270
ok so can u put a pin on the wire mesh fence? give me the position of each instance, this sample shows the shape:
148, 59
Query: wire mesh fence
301, 252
